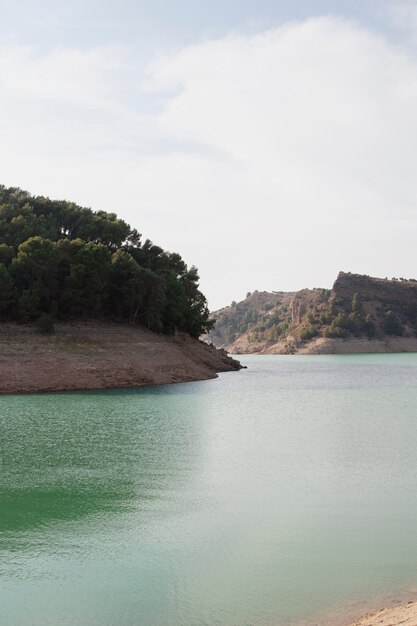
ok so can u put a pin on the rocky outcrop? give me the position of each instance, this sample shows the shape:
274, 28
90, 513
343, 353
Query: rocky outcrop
359, 314
388, 292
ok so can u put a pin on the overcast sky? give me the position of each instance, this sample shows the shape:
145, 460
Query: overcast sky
270, 143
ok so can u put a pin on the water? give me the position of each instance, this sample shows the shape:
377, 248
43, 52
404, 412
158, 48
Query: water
265, 497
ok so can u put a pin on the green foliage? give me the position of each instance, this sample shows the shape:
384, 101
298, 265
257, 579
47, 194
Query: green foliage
309, 333
391, 324
369, 326
6, 253
356, 304
61, 261
338, 328
6, 291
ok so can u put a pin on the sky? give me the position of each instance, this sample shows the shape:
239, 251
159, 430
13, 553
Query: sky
271, 143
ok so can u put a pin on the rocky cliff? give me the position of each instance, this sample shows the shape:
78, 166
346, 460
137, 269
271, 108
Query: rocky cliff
359, 314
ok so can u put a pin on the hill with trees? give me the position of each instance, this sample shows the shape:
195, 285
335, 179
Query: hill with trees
359, 313
60, 261
86, 304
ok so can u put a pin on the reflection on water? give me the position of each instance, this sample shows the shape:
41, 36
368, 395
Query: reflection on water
265, 497
66, 456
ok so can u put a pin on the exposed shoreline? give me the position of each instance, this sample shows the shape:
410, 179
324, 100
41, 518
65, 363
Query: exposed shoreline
404, 614
101, 355
395, 609
321, 345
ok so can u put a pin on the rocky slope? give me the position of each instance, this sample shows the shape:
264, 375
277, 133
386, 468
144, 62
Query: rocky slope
359, 314
100, 355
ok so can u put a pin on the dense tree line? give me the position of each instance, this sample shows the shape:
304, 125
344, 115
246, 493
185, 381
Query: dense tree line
67, 262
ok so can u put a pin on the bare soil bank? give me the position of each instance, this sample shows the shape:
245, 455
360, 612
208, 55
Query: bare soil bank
323, 345
98, 355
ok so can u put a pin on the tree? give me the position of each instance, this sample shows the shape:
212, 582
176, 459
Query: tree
64, 261
86, 287
35, 270
356, 304
6, 253
6, 290
391, 324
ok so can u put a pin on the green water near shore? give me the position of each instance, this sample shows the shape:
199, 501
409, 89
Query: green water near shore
260, 498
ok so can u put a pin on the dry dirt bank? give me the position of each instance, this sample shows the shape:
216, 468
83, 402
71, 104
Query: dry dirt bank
328, 346
359, 346
101, 355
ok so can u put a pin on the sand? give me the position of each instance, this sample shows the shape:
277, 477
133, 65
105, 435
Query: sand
99, 355
406, 615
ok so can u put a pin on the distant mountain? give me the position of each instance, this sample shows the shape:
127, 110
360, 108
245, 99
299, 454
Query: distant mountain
359, 314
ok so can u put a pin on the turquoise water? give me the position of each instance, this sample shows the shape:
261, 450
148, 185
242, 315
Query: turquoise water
262, 498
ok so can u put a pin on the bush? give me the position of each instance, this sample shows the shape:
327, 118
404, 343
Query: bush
336, 331
391, 324
369, 326
308, 333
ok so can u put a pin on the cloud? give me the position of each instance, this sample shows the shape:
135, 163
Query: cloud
82, 79
270, 161
302, 104
404, 16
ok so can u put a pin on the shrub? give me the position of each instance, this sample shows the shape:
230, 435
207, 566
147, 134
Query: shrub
391, 324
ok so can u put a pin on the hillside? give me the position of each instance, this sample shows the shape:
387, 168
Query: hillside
85, 303
359, 314
60, 261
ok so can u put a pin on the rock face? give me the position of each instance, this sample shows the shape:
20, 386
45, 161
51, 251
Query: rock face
100, 355
393, 292
359, 314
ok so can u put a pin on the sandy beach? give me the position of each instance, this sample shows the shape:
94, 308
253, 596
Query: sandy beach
405, 614
396, 609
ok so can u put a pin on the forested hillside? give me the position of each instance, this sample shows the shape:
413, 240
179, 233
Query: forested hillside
60, 261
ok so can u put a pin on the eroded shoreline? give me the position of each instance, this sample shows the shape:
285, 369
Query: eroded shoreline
321, 345
101, 355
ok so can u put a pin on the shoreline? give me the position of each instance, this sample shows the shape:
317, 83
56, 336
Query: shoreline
403, 614
92, 356
394, 609
118, 388
321, 345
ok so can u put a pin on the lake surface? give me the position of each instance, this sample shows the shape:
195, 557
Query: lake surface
263, 498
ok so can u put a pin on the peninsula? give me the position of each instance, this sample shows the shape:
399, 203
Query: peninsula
86, 304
